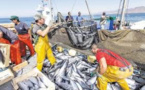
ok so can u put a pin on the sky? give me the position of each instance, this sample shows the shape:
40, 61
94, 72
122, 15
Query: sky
26, 8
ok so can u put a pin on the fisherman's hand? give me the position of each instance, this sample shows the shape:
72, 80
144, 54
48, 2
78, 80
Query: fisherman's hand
92, 74
55, 25
98, 74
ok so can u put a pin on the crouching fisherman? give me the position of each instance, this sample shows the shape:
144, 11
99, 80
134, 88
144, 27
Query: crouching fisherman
8, 37
112, 68
42, 47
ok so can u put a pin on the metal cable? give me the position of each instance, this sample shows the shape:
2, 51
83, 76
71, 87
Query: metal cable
73, 6
126, 15
119, 8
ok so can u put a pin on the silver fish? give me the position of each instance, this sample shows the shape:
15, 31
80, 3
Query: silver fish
44, 81
34, 80
20, 72
63, 85
46, 63
63, 68
41, 85
59, 54
81, 74
36, 87
28, 83
74, 85
64, 57
112, 87
23, 86
139, 80
131, 83
79, 86
143, 88
92, 80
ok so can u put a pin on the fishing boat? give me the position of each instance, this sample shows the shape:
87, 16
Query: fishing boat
126, 42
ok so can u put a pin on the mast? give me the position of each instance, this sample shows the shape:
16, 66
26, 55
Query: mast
123, 14
88, 9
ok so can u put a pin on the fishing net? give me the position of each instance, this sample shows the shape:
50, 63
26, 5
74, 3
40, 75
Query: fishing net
130, 44
82, 37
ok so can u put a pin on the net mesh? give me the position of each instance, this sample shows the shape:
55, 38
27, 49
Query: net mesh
130, 44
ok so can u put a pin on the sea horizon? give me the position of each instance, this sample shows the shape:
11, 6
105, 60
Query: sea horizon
132, 17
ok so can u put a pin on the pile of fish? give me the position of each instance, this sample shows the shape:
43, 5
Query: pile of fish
71, 72
74, 73
33, 83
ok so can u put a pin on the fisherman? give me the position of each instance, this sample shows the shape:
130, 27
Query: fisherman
79, 19
112, 68
24, 35
111, 26
69, 19
42, 47
117, 24
103, 20
8, 37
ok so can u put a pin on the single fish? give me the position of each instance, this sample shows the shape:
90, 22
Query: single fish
143, 88
34, 80
23, 86
92, 80
28, 83
139, 80
63, 69
59, 54
36, 87
41, 84
74, 85
79, 86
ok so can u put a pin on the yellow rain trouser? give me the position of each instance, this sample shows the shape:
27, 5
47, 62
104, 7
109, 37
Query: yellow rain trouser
43, 49
113, 74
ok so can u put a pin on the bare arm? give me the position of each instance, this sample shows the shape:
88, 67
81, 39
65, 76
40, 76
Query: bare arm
44, 32
29, 32
103, 66
48, 29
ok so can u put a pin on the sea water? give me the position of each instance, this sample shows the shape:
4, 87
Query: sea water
129, 18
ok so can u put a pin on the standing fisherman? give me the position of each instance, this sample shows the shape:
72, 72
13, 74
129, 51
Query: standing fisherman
24, 35
41, 41
112, 68
69, 19
79, 19
103, 20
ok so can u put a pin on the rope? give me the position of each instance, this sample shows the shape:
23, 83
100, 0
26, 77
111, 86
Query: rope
65, 23
119, 8
127, 10
73, 6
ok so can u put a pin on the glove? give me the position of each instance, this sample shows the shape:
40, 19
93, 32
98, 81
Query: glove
92, 74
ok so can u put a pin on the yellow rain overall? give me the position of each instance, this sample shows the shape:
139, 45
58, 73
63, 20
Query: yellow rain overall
43, 49
114, 74
118, 69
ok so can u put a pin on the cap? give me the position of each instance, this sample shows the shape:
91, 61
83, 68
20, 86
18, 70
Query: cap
14, 18
38, 16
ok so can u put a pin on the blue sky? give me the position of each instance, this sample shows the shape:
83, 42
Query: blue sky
28, 7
